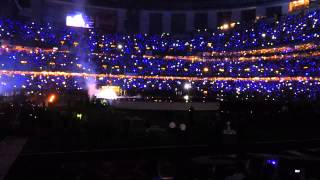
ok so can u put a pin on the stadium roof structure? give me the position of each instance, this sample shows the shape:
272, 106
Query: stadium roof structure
180, 4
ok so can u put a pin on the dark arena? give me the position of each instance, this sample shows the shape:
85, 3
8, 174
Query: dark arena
160, 89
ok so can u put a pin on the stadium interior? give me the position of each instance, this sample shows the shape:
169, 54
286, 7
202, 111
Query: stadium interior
158, 90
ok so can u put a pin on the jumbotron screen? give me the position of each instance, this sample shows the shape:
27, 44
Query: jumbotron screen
79, 20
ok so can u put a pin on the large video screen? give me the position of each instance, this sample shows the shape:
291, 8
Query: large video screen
79, 20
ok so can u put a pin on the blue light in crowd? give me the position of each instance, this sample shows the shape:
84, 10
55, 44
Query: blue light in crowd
272, 162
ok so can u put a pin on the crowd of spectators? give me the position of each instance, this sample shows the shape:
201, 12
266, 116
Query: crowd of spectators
290, 29
268, 58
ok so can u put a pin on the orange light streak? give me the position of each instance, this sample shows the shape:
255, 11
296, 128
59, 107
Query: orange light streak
52, 98
86, 75
206, 56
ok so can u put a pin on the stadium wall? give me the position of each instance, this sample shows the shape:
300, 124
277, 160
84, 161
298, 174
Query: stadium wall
121, 20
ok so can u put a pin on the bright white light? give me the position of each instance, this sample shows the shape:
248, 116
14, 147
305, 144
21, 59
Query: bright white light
77, 21
186, 97
119, 46
263, 35
187, 86
106, 93
297, 171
